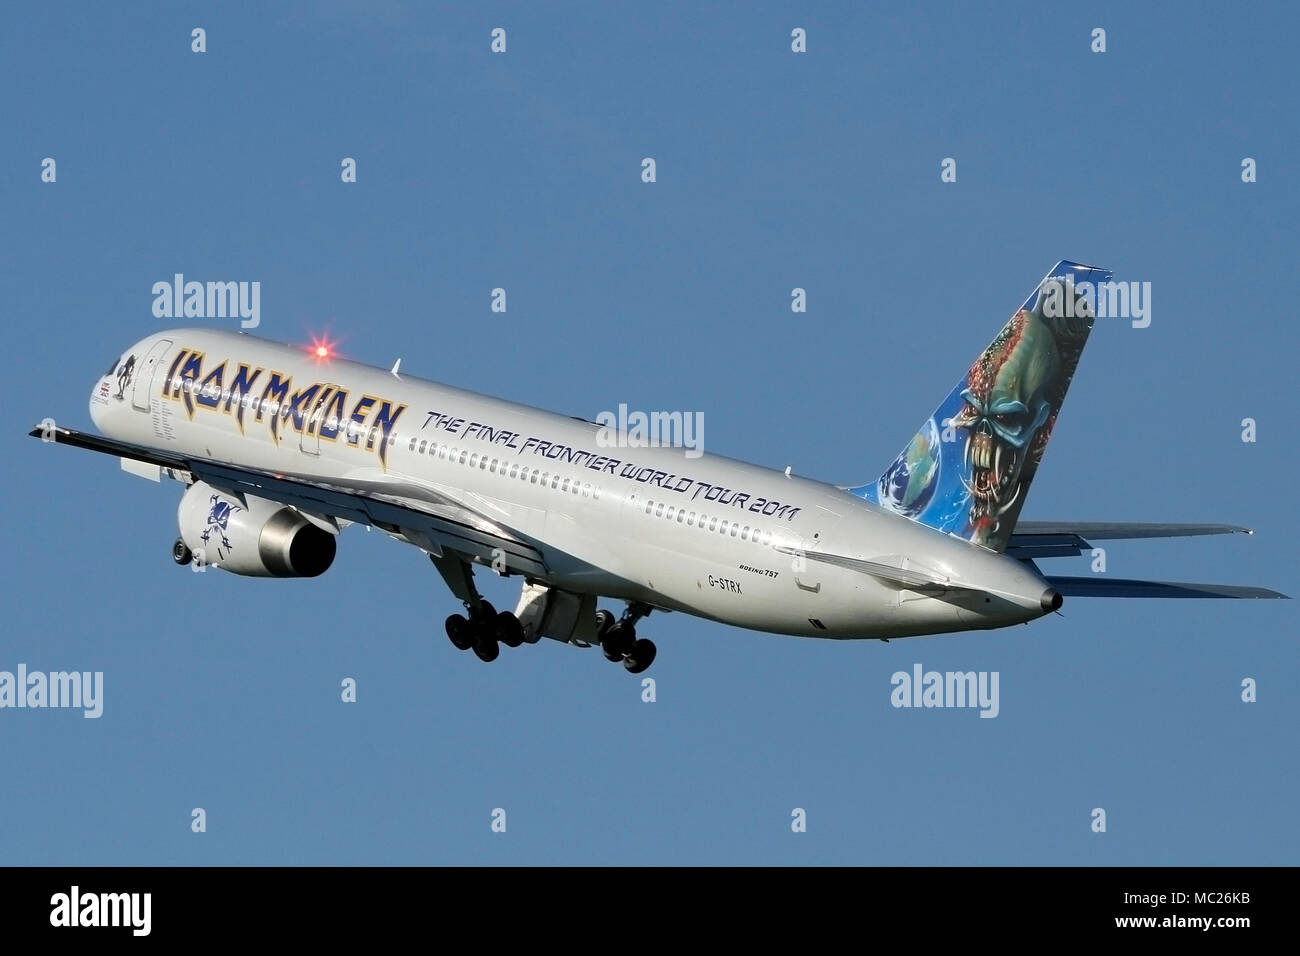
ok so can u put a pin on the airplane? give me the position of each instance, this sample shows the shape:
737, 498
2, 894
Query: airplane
280, 447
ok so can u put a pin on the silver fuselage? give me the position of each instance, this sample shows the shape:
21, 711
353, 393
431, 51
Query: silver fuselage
632, 523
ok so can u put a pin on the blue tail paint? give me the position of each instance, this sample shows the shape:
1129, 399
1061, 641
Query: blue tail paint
967, 471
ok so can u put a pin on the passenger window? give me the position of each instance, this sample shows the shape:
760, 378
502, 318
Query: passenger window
690, 519
680, 515
734, 529
669, 514
713, 524
744, 533
422, 444
565, 485
473, 459
659, 511
555, 481
532, 479
586, 489
514, 470
463, 456
649, 506
723, 527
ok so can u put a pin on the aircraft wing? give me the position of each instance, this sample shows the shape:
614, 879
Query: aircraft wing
1061, 539
433, 520
1102, 586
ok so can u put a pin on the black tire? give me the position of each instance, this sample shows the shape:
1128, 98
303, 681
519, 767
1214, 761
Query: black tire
642, 656
508, 629
487, 649
604, 621
460, 632
181, 553
618, 642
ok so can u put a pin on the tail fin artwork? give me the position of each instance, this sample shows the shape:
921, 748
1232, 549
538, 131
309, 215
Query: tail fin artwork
968, 470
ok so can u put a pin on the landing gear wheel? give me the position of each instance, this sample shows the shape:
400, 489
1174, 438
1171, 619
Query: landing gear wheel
487, 648
460, 632
618, 641
641, 657
508, 630
604, 621
181, 553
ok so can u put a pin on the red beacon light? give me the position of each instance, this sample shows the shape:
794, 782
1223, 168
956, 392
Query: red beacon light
322, 350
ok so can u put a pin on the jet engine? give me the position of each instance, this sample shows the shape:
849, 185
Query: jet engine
251, 535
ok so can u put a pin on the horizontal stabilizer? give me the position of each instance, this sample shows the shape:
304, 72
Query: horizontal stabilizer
1064, 539
1123, 529
1101, 586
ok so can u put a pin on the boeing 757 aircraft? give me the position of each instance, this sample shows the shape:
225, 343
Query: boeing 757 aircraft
279, 448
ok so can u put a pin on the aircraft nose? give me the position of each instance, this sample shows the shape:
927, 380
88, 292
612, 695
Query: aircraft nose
98, 404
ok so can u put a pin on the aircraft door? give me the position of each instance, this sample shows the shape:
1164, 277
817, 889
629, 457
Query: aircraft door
807, 574
309, 440
144, 374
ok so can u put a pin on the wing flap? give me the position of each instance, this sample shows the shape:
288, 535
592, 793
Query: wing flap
1101, 586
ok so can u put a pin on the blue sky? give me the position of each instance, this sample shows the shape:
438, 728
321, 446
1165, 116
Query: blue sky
775, 171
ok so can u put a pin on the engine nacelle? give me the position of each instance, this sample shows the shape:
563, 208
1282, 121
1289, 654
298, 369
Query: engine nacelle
256, 537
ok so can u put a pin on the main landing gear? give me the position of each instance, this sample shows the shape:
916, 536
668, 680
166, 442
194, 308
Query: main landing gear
484, 630
481, 628
618, 640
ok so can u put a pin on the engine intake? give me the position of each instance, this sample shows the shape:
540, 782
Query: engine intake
254, 537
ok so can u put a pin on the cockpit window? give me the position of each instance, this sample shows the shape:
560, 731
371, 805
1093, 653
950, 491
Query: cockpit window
113, 368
